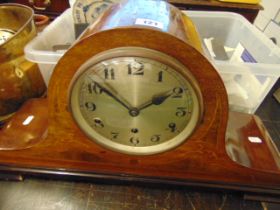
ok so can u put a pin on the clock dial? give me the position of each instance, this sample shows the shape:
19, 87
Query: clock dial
135, 104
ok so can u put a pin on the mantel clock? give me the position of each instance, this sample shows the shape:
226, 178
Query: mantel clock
134, 99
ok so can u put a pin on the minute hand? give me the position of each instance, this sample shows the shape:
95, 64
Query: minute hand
114, 94
156, 100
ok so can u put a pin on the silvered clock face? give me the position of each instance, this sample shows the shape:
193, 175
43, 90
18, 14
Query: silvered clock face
135, 104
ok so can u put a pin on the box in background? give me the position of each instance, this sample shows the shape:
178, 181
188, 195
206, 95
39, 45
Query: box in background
249, 76
51, 44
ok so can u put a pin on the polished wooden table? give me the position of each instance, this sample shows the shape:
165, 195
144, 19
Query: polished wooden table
51, 195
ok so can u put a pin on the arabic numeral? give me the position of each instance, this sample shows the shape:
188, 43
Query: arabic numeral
94, 88
172, 127
134, 140
160, 75
114, 135
136, 68
98, 123
90, 106
178, 92
181, 111
155, 138
109, 73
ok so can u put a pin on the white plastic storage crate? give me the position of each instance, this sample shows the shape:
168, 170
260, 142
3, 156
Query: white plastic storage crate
251, 65
51, 44
247, 83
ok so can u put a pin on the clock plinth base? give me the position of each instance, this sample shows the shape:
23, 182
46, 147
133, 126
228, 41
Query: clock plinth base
211, 169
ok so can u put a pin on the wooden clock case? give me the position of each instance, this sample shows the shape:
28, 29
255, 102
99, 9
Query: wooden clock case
59, 147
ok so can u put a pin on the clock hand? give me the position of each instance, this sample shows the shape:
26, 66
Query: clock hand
114, 94
156, 100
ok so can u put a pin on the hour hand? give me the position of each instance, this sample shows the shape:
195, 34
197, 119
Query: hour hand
156, 100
